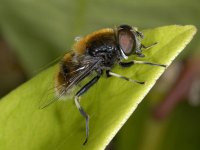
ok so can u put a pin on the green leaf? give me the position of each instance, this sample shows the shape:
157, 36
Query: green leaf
109, 103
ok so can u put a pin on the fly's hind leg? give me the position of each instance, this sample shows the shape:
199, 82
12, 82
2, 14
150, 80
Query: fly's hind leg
78, 105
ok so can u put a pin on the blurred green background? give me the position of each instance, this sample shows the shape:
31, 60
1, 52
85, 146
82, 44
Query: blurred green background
35, 32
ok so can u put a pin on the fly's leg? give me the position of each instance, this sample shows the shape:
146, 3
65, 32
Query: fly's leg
150, 46
139, 51
148, 63
78, 105
128, 64
109, 74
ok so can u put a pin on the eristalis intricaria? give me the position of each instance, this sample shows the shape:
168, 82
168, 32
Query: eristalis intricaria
98, 52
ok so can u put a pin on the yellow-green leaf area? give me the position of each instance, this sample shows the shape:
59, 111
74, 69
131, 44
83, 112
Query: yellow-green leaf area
109, 103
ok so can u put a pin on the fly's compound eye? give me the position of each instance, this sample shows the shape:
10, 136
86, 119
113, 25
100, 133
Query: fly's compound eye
126, 41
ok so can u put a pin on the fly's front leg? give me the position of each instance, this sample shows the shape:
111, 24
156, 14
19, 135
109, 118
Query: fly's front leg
150, 46
128, 64
78, 105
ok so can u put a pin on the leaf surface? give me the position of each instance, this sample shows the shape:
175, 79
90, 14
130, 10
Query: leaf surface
109, 103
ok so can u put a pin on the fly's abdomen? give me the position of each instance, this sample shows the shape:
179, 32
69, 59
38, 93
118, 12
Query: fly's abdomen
65, 73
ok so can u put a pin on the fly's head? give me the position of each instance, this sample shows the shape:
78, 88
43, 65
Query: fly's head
129, 41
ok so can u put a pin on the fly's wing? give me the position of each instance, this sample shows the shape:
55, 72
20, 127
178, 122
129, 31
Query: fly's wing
51, 63
83, 69
49, 96
86, 67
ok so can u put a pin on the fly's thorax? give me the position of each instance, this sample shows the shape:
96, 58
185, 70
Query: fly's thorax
103, 47
82, 44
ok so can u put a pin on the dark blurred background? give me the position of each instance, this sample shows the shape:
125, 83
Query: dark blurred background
33, 33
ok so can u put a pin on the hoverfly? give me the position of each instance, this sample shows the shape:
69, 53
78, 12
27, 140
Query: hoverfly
98, 52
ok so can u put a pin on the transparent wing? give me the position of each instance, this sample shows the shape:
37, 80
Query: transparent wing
83, 69
51, 63
49, 97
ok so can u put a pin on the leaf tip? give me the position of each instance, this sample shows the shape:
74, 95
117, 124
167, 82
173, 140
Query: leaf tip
192, 28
